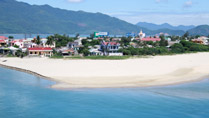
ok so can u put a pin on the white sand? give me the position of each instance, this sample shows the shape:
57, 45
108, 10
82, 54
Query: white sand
154, 71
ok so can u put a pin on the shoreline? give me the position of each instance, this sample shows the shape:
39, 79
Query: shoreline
174, 76
67, 87
28, 72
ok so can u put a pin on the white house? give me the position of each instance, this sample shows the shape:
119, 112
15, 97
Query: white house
111, 49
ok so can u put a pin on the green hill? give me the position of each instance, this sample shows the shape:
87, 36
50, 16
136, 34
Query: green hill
19, 17
200, 30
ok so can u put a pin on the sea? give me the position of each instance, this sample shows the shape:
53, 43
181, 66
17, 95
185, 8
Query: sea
24, 36
26, 96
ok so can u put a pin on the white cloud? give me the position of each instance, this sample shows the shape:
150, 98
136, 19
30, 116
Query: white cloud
188, 4
160, 1
75, 1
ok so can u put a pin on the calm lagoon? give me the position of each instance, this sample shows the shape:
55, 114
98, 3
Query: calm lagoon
26, 96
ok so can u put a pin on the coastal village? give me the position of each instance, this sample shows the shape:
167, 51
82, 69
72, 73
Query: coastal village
98, 44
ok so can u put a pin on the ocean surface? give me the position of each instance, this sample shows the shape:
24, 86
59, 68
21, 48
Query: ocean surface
22, 36
26, 96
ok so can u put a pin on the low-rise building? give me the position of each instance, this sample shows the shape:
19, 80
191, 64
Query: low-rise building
44, 43
95, 50
111, 49
2, 42
40, 51
200, 40
74, 45
150, 39
3, 38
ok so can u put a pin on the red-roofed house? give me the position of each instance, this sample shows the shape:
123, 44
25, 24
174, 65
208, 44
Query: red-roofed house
2, 42
3, 38
111, 48
150, 39
40, 51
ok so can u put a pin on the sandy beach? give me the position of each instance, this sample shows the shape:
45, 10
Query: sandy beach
139, 72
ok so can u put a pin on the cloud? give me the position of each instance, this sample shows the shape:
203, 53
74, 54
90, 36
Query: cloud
75, 1
161, 1
188, 4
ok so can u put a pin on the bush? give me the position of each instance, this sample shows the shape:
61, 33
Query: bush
177, 48
126, 52
198, 48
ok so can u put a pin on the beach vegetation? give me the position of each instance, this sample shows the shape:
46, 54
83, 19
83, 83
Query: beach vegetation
177, 48
60, 40
38, 40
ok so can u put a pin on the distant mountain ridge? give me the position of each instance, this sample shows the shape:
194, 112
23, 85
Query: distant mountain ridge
200, 30
152, 26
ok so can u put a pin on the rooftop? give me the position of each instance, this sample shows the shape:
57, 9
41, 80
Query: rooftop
40, 49
150, 39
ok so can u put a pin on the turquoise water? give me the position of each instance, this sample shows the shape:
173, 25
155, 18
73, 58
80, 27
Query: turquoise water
26, 96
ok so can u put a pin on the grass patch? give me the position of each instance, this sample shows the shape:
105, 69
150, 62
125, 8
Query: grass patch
10, 55
56, 57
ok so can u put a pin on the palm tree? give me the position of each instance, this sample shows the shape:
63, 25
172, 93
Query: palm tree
50, 40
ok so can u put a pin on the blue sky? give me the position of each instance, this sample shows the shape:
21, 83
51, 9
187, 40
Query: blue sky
175, 12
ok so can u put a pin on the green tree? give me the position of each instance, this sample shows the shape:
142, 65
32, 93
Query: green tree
86, 52
197, 36
186, 34
126, 52
16, 46
163, 42
50, 40
125, 41
38, 40
177, 48
60, 40
11, 37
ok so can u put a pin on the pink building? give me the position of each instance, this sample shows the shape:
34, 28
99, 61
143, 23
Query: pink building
150, 39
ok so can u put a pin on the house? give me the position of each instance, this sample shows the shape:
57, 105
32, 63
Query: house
74, 45
13, 50
170, 43
2, 42
110, 49
44, 43
116, 39
95, 51
29, 44
66, 51
135, 45
40, 51
3, 38
200, 41
150, 39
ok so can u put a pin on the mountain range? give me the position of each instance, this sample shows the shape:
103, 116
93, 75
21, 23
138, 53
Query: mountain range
200, 30
20, 17
152, 26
